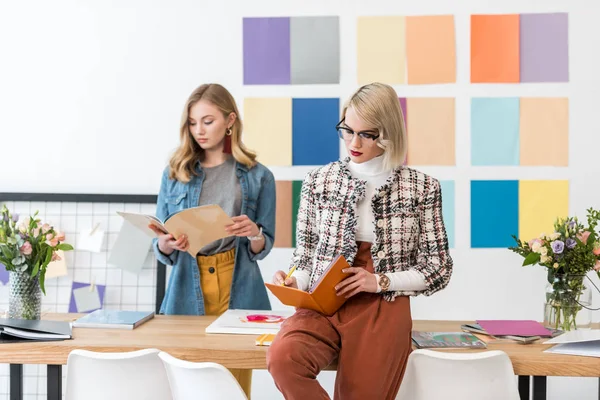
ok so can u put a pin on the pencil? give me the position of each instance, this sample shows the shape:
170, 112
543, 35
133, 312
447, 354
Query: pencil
289, 275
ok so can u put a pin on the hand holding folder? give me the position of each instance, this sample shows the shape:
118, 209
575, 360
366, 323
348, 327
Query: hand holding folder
322, 296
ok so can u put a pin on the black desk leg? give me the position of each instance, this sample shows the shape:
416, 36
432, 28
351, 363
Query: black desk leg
16, 381
524, 387
539, 388
54, 382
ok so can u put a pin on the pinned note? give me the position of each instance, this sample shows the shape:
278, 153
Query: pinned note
57, 268
91, 239
84, 300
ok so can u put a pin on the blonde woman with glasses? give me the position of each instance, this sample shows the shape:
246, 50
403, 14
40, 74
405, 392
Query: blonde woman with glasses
386, 219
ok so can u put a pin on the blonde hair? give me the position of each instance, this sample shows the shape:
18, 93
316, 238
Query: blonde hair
377, 105
182, 163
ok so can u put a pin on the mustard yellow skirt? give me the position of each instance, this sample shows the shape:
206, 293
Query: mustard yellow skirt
216, 275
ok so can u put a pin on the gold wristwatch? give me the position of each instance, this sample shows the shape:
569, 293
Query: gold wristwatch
384, 282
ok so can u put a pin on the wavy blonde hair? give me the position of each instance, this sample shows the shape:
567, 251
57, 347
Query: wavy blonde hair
377, 104
183, 162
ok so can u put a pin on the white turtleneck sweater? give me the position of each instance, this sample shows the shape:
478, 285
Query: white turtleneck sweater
375, 175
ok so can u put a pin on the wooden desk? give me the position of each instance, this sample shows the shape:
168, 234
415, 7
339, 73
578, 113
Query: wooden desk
184, 337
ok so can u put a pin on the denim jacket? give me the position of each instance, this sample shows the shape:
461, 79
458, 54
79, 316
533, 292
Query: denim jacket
184, 294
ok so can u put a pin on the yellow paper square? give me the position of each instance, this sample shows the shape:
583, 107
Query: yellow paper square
431, 49
544, 131
431, 131
540, 203
268, 129
57, 268
381, 49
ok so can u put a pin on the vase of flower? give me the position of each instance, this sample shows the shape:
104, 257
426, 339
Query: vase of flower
27, 246
25, 296
568, 303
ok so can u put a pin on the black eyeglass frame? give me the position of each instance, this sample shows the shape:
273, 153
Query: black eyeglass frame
368, 134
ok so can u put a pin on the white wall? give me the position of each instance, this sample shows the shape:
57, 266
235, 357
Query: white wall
95, 90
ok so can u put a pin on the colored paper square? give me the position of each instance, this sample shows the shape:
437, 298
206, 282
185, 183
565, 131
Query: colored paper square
540, 203
266, 51
283, 216
314, 138
296, 194
268, 129
495, 131
494, 213
495, 48
98, 291
544, 47
57, 268
3, 274
381, 49
544, 126
315, 50
448, 203
432, 131
430, 49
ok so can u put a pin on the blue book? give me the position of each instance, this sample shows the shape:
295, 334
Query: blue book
113, 319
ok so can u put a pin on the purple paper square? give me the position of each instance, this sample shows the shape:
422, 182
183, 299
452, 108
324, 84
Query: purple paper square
77, 285
267, 51
544, 47
3, 274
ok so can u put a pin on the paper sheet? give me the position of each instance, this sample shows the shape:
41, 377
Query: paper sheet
544, 130
91, 240
544, 47
540, 203
315, 50
57, 268
495, 48
432, 131
495, 131
381, 49
283, 217
494, 213
430, 49
84, 300
314, 121
268, 129
130, 249
266, 51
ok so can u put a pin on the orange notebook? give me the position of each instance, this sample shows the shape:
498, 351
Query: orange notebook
321, 297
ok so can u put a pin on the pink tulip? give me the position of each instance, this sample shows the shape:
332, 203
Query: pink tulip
584, 236
60, 236
55, 256
49, 236
45, 228
596, 250
26, 249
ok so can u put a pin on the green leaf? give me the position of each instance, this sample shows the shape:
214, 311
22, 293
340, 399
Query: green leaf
64, 247
42, 285
532, 258
48, 255
35, 270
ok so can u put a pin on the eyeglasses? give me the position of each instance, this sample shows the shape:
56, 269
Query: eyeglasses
348, 134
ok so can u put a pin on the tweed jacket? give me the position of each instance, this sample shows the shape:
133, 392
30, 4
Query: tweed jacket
409, 229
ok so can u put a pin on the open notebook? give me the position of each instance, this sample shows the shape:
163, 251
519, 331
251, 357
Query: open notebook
12, 330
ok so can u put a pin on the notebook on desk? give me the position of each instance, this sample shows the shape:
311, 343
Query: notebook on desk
23, 330
113, 319
321, 297
435, 340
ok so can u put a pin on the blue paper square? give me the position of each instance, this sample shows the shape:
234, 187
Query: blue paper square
495, 131
314, 138
494, 213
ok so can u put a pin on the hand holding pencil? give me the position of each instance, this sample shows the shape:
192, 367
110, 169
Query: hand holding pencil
283, 279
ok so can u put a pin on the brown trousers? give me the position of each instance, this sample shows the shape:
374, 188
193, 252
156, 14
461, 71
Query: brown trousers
370, 337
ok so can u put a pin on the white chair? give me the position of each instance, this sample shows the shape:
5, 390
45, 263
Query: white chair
116, 376
205, 380
433, 375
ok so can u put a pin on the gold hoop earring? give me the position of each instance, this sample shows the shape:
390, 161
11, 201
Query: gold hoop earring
229, 132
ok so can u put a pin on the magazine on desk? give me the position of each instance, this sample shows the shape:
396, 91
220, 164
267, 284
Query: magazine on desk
249, 322
113, 319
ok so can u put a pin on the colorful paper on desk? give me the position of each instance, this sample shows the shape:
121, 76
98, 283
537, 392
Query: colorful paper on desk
514, 327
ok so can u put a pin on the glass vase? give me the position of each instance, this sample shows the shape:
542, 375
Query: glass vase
568, 302
25, 296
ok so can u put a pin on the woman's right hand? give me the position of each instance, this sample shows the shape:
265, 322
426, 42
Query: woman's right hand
280, 277
167, 244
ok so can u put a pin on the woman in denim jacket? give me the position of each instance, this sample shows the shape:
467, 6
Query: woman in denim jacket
212, 166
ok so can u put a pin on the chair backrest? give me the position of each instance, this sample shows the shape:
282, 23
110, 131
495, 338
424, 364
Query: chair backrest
436, 375
203, 380
116, 376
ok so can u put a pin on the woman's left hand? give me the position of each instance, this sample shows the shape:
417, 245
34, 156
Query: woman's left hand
242, 226
360, 281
